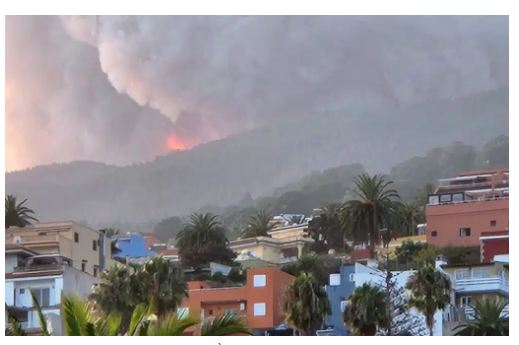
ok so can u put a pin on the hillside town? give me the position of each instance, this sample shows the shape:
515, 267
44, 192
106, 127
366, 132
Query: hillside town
369, 265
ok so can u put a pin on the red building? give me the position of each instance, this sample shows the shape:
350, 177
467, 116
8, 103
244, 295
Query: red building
259, 301
464, 207
492, 244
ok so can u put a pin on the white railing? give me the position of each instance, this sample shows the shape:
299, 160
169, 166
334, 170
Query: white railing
481, 284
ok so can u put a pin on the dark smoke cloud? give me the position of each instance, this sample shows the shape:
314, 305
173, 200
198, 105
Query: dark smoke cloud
113, 88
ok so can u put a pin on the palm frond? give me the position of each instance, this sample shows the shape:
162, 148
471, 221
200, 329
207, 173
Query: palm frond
41, 317
227, 324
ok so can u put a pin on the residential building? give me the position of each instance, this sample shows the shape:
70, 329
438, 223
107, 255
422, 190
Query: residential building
492, 244
259, 301
85, 248
341, 286
47, 276
471, 283
284, 245
131, 247
464, 207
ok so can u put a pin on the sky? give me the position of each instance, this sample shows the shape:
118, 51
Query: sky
122, 90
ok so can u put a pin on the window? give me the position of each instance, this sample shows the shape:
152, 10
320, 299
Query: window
42, 233
22, 291
464, 232
242, 306
76, 237
335, 279
343, 305
352, 277
210, 312
42, 295
434, 233
94, 245
462, 273
260, 280
480, 272
465, 301
95, 271
83, 265
493, 223
458, 197
434, 200
259, 309
446, 198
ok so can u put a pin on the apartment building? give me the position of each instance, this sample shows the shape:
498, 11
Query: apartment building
285, 244
47, 277
471, 283
259, 301
87, 249
464, 207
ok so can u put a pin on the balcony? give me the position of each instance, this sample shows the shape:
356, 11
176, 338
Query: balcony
39, 268
495, 283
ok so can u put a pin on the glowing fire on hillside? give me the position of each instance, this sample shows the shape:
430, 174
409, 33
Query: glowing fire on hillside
177, 143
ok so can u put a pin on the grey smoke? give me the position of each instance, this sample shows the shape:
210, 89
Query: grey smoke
111, 89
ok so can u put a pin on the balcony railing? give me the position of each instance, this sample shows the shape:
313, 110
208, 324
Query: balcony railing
39, 268
481, 284
466, 201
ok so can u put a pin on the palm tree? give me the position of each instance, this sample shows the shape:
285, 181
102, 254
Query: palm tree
328, 229
430, 291
307, 304
490, 319
408, 216
203, 240
371, 210
259, 225
366, 311
17, 214
80, 319
164, 283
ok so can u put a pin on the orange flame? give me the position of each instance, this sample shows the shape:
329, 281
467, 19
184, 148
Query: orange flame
176, 143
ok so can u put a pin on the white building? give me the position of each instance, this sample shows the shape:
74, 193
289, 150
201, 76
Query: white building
47, 276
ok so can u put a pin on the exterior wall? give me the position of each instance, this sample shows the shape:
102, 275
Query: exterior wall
493, 247
242, 299
288, 233
11, 261
446, 220
77, 283
338, 293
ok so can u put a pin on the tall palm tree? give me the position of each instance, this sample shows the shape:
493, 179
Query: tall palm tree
371, 210
408, 216
328, 229
259, 225
430, 291
490, 319
164, 283
17, 214
203, 240
307, 304
365, 312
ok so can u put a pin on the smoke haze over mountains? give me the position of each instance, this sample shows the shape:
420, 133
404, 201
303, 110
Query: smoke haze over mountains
119, 89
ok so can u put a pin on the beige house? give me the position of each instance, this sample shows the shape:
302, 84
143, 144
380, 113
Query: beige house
87, 248
285, 245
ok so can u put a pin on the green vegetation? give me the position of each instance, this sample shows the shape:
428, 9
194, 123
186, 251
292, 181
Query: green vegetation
328, 229
158, 282
490, 319
366, 310
320, 266
430, 291
16, 214
203, 240
371, 209
307, 304
259, 225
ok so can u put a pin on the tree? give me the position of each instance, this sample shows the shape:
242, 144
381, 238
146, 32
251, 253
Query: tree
366, 310
259, 225
328, 229
409, 216
408, 251
307, 304
203, 240
168, 228
17, 214
320, 266
371, 210
163, 283
430, 291
490, 319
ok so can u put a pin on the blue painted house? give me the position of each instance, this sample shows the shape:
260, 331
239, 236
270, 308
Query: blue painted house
341, 286
131, 247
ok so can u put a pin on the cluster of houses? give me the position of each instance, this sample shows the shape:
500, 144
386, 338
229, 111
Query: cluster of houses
50, 259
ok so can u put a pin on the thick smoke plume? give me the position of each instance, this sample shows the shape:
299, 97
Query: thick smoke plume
115, 89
